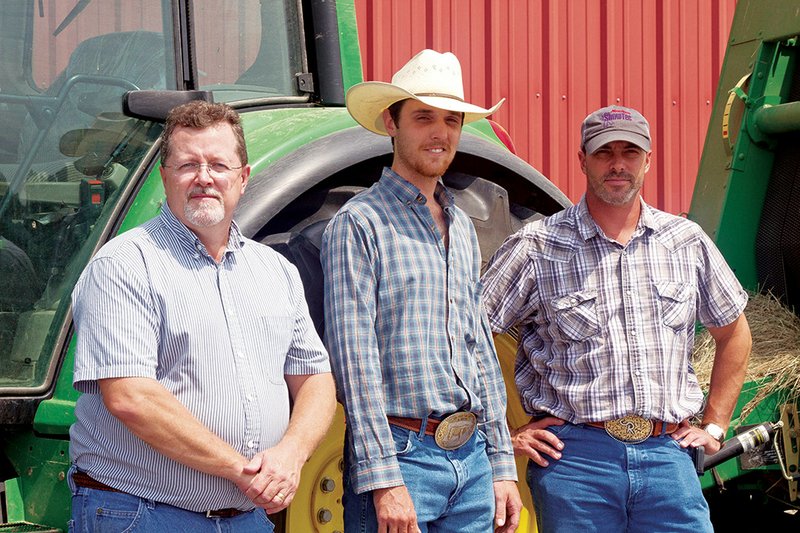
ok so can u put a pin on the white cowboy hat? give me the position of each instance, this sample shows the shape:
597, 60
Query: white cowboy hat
430, 77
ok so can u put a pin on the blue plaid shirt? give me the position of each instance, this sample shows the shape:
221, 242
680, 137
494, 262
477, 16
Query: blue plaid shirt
607, 330
405, 326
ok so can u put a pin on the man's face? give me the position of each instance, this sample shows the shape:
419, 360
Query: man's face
425, 139
615, 172
203, 197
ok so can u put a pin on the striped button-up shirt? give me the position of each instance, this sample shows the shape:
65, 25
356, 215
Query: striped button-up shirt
220, 337
607, 329
405, 326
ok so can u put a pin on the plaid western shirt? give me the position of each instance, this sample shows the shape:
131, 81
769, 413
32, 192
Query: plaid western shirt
607, 330
405, 326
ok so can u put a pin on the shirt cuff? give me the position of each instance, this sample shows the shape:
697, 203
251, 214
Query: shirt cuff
504, 468
378, 474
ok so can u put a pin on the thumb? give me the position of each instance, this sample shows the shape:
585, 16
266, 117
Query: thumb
253, 466
500, 513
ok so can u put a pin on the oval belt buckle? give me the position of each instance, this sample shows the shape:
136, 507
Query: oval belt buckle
455, 430
631, 429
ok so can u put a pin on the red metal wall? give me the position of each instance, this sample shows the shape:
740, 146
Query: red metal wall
557, 60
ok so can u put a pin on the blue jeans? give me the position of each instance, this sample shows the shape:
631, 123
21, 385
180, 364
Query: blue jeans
601, 484
101, 511
452, 491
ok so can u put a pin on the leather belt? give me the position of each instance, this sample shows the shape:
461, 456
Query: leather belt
633, 429
658, 426
450, 433
82, 479
229, 512
413, 424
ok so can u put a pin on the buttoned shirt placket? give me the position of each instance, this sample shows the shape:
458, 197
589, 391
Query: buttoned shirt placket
250, 443
631, 313
425, 216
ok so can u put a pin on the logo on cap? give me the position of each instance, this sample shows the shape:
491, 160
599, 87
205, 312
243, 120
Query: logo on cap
615, 114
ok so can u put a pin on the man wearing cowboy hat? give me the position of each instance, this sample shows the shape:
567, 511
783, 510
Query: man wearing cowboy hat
427, 443
606, 295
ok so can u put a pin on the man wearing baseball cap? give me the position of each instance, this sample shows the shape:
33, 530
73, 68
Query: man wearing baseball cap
427, 444
606, 295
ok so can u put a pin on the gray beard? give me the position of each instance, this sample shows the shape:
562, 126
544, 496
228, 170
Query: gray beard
204, 216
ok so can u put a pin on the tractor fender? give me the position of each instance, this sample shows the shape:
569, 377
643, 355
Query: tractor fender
276, 186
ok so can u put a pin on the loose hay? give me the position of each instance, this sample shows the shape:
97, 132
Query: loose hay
775, 358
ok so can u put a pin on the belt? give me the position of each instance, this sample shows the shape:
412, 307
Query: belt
414, 424
634, 429
658, 426
82, 479
450, 433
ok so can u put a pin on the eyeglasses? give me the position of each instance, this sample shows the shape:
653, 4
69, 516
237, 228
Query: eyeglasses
215, 170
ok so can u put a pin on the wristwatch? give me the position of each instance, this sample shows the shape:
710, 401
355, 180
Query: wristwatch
715, 431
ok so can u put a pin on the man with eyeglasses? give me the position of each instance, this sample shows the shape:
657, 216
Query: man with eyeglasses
185, 422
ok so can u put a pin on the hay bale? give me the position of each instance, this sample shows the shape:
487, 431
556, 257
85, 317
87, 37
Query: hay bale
775, 357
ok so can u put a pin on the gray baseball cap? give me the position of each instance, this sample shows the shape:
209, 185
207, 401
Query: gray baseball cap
614, 123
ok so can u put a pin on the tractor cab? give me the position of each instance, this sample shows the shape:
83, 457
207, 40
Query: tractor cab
68, 153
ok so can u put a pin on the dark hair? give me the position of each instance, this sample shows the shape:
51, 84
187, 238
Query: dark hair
200, 114
394, 111
395, 108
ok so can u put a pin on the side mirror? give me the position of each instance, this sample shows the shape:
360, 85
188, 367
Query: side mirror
156, 105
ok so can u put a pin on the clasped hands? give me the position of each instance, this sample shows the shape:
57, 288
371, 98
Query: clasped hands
271, 478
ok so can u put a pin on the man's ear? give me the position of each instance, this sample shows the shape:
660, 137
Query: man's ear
582, 160
647, 162
245, 177
388, 123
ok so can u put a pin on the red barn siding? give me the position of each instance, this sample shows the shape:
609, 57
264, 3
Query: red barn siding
557, 60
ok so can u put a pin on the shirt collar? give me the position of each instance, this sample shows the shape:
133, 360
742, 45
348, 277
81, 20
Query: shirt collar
648, 219
408, 193
588, 228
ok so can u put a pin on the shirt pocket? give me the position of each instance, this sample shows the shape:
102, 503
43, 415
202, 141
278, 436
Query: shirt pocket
576, 314
675, 299
273, 340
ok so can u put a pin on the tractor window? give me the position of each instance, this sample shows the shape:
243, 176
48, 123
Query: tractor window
66, 154
248, 49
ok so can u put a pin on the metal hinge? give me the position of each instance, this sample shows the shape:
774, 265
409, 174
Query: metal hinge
305, 82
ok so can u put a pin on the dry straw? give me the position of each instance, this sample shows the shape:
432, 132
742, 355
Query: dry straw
775, 358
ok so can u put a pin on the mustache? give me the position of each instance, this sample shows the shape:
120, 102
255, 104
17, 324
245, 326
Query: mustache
205, 191
618, 175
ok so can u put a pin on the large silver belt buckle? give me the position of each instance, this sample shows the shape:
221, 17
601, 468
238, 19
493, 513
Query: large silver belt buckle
455, 430
629, 429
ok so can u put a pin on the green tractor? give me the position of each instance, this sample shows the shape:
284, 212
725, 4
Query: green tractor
84, 88
747, 198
